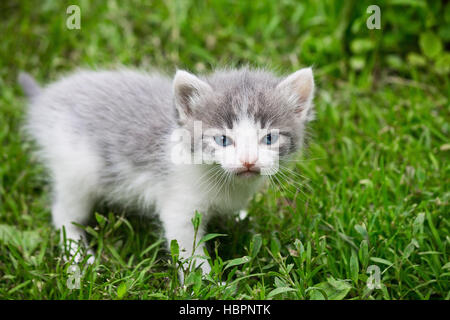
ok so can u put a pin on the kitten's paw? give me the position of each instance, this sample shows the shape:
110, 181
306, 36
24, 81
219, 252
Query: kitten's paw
91, 258
77, 253
243, 214
206, 268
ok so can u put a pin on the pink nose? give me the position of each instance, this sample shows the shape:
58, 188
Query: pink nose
248, 165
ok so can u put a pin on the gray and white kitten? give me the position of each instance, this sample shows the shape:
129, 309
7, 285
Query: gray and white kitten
111, 135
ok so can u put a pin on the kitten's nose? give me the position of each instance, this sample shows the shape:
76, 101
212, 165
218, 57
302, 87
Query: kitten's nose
248, 164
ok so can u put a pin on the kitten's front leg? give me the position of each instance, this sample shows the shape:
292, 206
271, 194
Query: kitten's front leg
72, 205
176, 218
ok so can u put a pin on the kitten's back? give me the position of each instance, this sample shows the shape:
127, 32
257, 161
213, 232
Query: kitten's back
123, 115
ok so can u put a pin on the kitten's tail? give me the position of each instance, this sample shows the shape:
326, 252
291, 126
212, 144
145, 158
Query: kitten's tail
29, 85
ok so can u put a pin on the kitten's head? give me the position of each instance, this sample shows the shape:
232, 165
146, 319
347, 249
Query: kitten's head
245, 120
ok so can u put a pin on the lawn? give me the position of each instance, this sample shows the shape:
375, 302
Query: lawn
371, 192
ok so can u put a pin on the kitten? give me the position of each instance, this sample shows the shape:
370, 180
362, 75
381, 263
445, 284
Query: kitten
171, 146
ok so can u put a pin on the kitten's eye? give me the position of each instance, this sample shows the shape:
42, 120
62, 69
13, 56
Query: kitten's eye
223, 141
270, 138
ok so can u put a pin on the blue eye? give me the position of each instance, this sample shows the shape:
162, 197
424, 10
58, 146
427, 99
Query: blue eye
223, 141
270, 138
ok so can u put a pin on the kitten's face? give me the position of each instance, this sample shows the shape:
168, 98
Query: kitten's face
249, 120
245, 150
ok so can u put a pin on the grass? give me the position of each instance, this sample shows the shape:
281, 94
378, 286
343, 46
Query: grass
376, 170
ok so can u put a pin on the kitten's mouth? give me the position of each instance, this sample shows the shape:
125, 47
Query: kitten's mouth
248, 173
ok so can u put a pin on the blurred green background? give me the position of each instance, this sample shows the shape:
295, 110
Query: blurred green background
376, 174
330, 35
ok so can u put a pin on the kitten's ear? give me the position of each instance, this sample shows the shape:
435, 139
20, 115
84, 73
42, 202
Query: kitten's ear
187, 88
299, 88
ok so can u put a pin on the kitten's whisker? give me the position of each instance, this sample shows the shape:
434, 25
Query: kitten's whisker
280, 184
214, 181
302, 160
206, 173
221, 183
229, 186
297, 175
214, 172
291, 170
281, 177
296, 184
273, 183
300, 177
